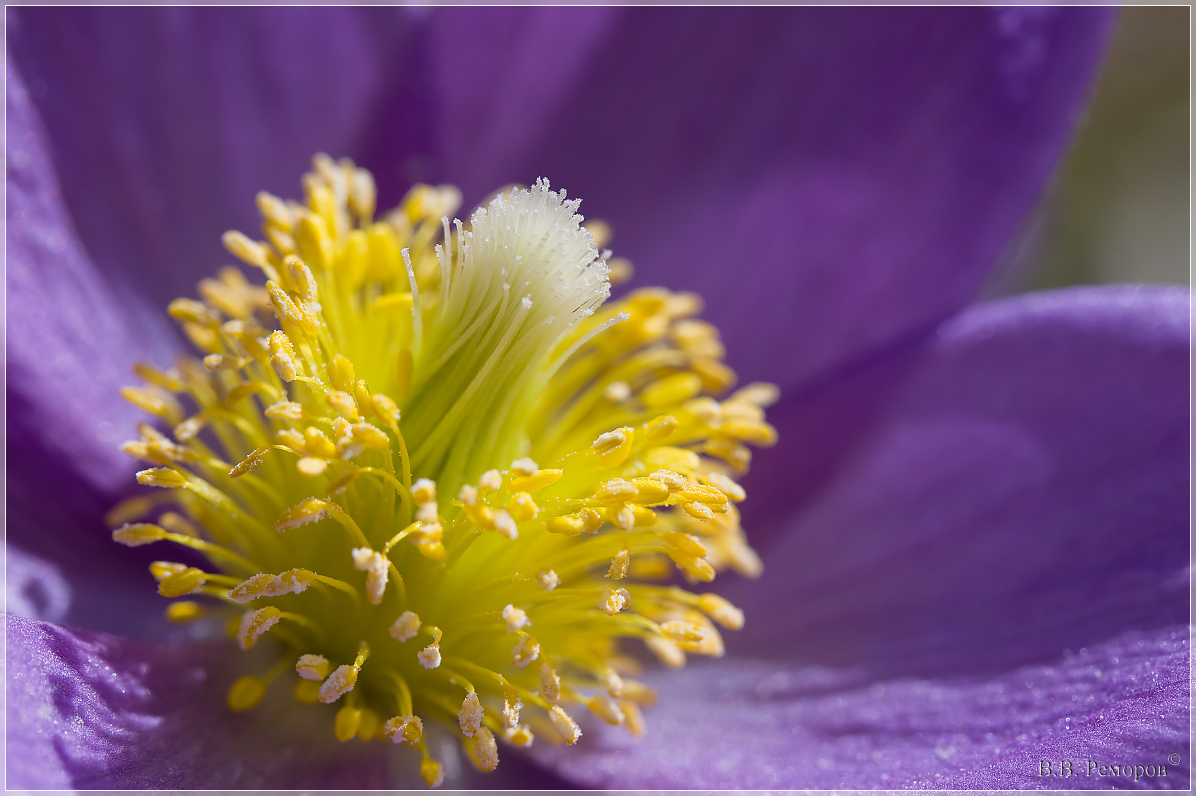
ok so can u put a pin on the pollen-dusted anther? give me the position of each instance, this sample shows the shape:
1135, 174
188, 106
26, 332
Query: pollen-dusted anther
721, 610
176, 584
547, 579
484, 751
377, 569
536, 481
613, 600
527, 649
516, 618
161, 477
511, 706
490, 480
666, 651
283, 358
613, 447
429, 656
312, 667
469, 717
605, 708
672, 480
248, 463
405, 627
618, 566
423, 491
432, 772
407, 729
550, 683
302, 513
504, 523
520, 736
524, 467
660, 427
255, 623
136, 534
727, 486
522, 507
339, 683
564, 725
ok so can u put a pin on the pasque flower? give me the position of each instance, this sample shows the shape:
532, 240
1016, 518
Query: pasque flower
973, 532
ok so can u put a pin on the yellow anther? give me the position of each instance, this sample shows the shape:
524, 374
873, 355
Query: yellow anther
703, 494
541, 479
484, 751
613, 683
184, 611
156, 401
432, 772
667, 457
307, 691
311, 466
316, 444
699, 511
372, 437
362, 193
176, 523
405, 627
365, 402
613, 447
618, 565
661, 427
189, 428
516, 618
285, 410
192, 311
632, 717
698, 567
526, 650
282, 357
616, 490
303, 281
520, 736
734, 453
565, 726
761, 394
666, 651
706, 410
505, 524
686, 543
176, 584
275, 210
715, 375
755, 432
255, 623
218, 362
160, 569
522, 507
548, 579
524, 467
340, 373
613, 600
671, 390
672, 480
570, 524
138, 533
481, 515
161, 476
721, 610
725, 485
348, 720
404, 729
605, 708
343, 404
428, 513
469, 717
616, 392
693, 637
306, 511
246, 693
245, 249
312, 238
623, 516
339, 683
423, 491
248, 463
312, 667
550, 683
650, 491
166, 379
377, 569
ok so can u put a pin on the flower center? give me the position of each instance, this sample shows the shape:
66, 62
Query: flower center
438, 474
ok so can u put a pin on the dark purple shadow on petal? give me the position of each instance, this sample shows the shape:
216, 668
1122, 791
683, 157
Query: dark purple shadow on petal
752, 724
1025, 492
87, 710
829, 179
165, 122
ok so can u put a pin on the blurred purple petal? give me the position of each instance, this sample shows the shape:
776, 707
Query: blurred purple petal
164, 122
751, 724
87, 710
827, 178
1026, 490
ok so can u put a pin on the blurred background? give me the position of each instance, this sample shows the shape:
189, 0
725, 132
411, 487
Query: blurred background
1118, 208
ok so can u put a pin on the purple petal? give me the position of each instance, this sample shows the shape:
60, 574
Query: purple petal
164, 122
829, 179
751, 724
87, 710
1026, 490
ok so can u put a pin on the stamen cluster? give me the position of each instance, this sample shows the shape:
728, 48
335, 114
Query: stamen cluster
440, 475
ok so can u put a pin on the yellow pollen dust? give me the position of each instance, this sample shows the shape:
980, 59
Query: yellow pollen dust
436, 475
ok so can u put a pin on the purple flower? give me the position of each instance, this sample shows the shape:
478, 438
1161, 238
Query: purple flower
974, 530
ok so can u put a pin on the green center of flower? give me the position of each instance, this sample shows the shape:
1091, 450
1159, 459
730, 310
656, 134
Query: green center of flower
438, 474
